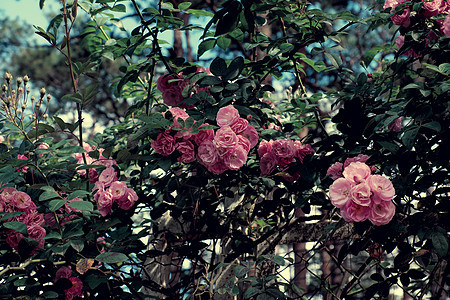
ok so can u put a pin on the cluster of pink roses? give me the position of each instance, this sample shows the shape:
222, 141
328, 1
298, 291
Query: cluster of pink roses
12, 200
76, 290
101, 161
171, 87
224, 149
280, 154
110, 191
429, 9
359, 194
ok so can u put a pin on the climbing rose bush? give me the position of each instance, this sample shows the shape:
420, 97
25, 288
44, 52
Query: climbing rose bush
359, 194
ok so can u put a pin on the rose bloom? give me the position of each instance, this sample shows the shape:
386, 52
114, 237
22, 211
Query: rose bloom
33, 217
187, 152
353, 212
108, 176
37, 233
382, 213
396, 126
118, 190
128, 201
13, 238
203, 135
356, 172
164, 143
402, 19
445, 28
361, 194
264, 147
239, 126
244, 142
335, 171
171, 88
382, 188
207, 153
433, 8
283, 148
105, 202
359, 158
23, 157
235, 158
268, 163
340, 192
301, 151
227, 116
218, 168
76, 290
251, 134
21, 200
63, 272
225, 138
393, 3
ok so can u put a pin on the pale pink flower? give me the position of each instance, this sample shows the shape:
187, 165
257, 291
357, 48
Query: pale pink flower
356, 172
251, 134
118, 190
264, 147
187, 152
396, 126
340, 192
382, 213
359, 158
7, 193
446, 25
37, 233
393, 3
21, 200
207, 153
274, 127
108, 176
268, 163
225, 138
105, 202
382, 188
353, 212
127, 202
235, 158
227, 116
361, 194
164, 143
335, 171
43, 146
239, 126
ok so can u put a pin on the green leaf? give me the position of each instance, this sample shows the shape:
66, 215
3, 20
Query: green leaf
235, 68
209, 80
6, 216
218, 67
77, 194
434, 125
111, 257
184, 5
409, 136
335, 59
223, 42
119, 8
205, 45
49, 194
54, 205
200, 13
440, 243
77, 98
84, 206
368, 57
17, 226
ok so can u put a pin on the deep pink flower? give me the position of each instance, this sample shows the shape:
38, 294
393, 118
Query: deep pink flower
23, 157
335, 171
187, 152
356, 172
164, 143
239, 126
251, 134
400, 41
244, 142
37, 233
340, 192
301, 150
446, 25
235, 158
63, 272
118, 190
203, 135
171, 88
382, 213
107, 176
402, 19
76, 290
225, 138
13, 238
283, 148
361, 194
227, 116
207, 153
127, 202
268, 163
21, 200
382, 188
264, 147
433, 8
218, 168
32, 217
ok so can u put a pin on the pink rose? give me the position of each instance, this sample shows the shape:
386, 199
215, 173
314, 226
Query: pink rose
207, 153
402, 19
164, 143
227, 116
301, 151
13, 238
359, 158
23, 157
361, 194
396, 126
381, 187
21, 200
127, 202
76, 290
33, 217
244, 142
7, 193
63, 272
264, 147
218, 168
93, 176
203, 135
37, 233
107, 176
187, 152
283, 148
225, 138
251, 134
268, 163
353, 212
340, 192
171, 88
446, 25
393, 3
433, 8
400, 41
43, 146
118, 190
356, 172
105, 202
235, 158
335, 171
239, 126
382, 213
